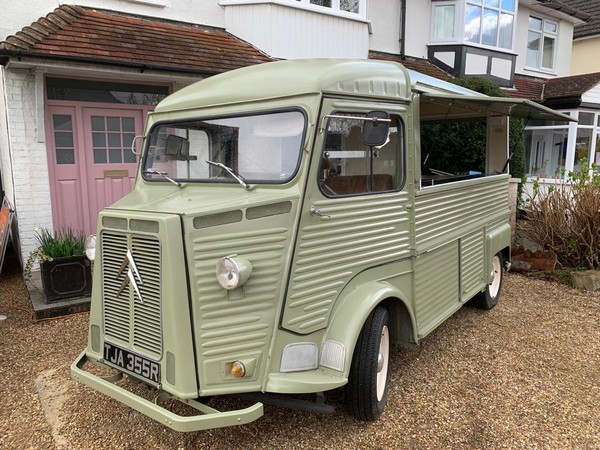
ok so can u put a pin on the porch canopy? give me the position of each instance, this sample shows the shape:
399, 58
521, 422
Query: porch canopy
88, 35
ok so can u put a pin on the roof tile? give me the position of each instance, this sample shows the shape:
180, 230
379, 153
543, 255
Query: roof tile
94, 35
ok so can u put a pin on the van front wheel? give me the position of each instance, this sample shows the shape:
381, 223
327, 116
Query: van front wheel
490, 296
367, 389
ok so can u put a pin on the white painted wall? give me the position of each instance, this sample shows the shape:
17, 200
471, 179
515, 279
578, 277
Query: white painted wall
28, 161
286, 32
592, 96
418, 26
205, 12
384, 16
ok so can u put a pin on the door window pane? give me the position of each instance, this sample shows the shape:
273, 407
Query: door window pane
99, 139
114, 156
113, 123
63, 139
65, 156
127, 124
348, 167
99, 156
98, 123
129, 156
114, 139
62, 122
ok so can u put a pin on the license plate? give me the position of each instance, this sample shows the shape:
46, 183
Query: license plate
132, 362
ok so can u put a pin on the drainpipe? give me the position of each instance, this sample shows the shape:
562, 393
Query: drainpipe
402, 29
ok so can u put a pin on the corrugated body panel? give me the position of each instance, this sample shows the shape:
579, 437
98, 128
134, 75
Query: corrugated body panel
471, 264
453, 210
361, 232
436, 286
240, 320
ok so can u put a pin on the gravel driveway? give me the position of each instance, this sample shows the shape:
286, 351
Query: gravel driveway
524, 375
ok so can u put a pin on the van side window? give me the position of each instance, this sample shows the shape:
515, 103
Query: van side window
348, 167
452, 151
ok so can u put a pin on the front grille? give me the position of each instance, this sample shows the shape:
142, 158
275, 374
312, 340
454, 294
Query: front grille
129, 319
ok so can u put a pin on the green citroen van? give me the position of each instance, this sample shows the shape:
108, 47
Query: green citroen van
286, 228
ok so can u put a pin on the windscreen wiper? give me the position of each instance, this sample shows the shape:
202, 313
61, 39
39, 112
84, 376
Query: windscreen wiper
230, 171
162, 174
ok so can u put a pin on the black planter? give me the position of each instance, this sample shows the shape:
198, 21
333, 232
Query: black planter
67, 277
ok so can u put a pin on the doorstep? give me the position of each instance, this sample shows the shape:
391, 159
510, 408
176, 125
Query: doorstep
44, 310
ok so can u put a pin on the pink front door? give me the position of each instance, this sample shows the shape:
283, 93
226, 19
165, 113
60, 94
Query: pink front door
91, 160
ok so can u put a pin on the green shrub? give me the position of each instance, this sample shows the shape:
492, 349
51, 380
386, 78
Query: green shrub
62, 243
565, 217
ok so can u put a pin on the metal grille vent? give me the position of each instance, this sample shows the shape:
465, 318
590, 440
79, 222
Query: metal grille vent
129, 319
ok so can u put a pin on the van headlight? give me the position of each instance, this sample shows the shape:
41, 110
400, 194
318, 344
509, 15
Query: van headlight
90, 247
233, 271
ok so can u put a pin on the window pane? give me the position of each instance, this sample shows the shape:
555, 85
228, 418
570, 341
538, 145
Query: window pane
62, 122
99, 139
99, 156
550, 27
103, 91
586, 118
348, 167
114, 140
128, 124
129, 156
326, 3
349, 5
493, 3
63, 139
533, 49
113, 123
490, 27
128, 140
582, 147
535, 23
443, 26
65, 156
506, 31
548, 57
508, 5
472, 23
114, 156
98, 123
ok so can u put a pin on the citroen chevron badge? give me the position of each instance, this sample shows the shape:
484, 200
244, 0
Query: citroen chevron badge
133, 275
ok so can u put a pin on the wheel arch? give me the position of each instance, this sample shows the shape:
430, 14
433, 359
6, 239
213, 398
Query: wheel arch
352, 311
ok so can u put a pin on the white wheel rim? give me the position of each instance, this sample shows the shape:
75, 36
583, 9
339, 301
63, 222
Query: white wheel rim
382, 362
496, 277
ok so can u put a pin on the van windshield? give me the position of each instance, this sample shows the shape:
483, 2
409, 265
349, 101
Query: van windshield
260, 148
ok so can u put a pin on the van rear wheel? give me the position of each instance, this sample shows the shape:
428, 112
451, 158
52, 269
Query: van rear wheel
490, 296
367, 389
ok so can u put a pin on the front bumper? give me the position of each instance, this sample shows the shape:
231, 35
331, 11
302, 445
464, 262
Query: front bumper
209, 417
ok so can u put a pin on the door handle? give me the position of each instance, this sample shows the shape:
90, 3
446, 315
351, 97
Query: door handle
318, 213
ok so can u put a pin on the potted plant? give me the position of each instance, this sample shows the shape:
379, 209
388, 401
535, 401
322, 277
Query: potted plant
65, 270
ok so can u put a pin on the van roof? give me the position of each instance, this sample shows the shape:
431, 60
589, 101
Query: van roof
386, 80
372, 78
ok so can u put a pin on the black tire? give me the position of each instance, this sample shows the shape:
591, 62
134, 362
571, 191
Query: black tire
367, 388
490, 296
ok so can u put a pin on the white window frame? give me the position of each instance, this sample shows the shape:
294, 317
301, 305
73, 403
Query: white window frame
333, 10
460, 11
457, 25
543, 34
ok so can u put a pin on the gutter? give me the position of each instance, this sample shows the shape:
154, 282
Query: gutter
6, 54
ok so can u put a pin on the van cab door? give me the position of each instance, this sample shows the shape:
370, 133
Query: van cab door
354, 215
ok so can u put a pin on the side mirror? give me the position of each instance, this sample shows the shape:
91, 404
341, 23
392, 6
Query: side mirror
375, 131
